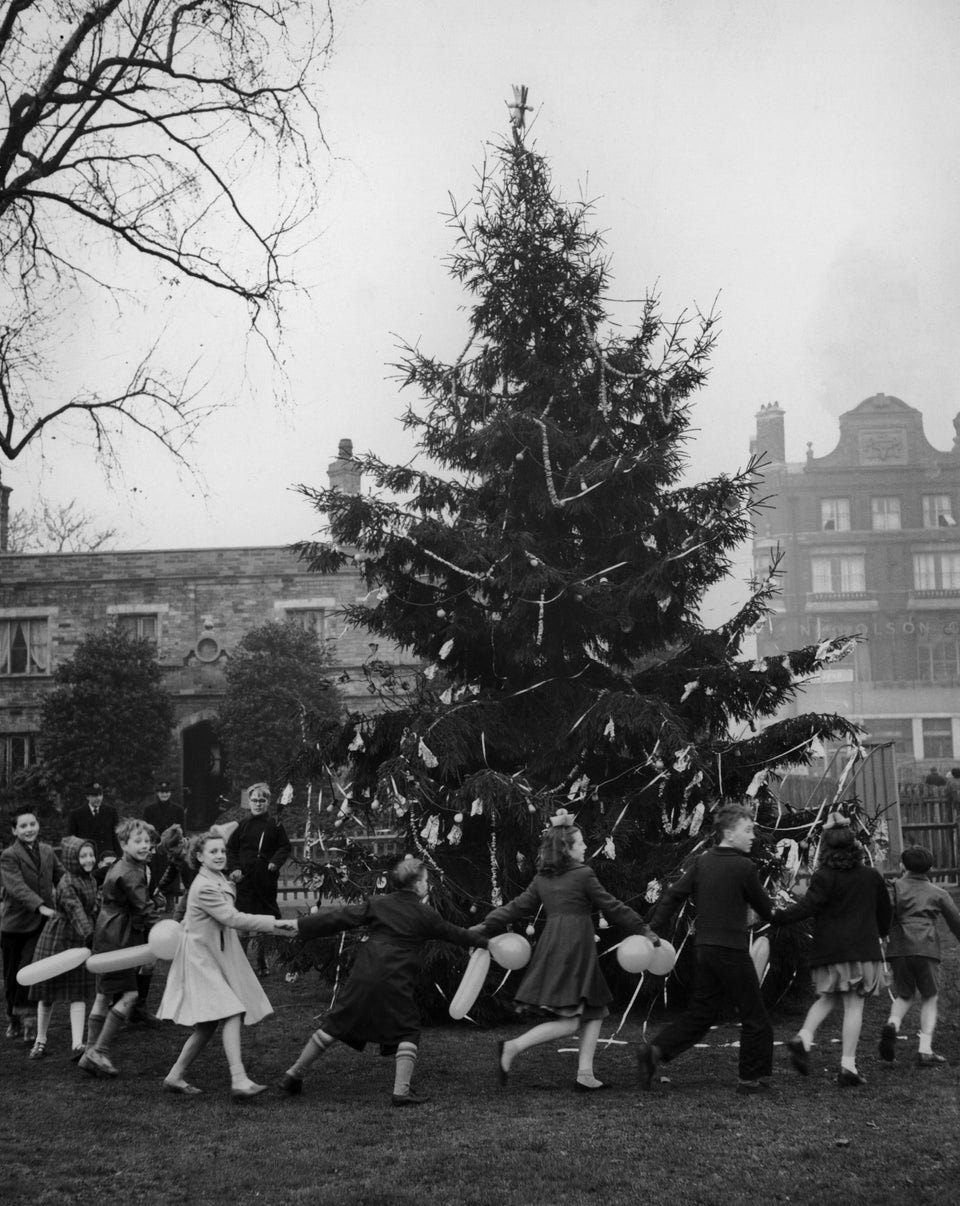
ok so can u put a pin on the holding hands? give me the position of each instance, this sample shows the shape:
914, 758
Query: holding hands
285, 928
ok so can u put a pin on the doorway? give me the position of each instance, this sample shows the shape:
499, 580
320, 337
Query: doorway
202, 775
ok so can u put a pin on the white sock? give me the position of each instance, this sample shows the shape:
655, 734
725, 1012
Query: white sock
806, 1038
849, 1064
78, 1013
926, 1044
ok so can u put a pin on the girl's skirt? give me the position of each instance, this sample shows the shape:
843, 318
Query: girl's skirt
865, 978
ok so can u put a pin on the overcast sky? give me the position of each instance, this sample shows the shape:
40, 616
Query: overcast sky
801, 161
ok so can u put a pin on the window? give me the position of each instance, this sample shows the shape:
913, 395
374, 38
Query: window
835, 514
936, 571
17, 752
309, 618
938, 511
24, 646
139, 627
900, 732
885, 514
843, 575
937, 738
938, 661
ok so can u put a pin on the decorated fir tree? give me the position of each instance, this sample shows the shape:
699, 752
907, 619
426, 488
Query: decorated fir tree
548, 571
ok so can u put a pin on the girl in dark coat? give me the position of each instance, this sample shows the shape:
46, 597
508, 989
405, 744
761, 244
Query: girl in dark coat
851, 912
377, 1004
76, 903
564, 976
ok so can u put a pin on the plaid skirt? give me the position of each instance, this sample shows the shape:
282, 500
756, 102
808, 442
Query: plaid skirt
76, 985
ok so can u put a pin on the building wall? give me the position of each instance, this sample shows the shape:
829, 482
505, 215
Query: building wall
888, 572
198, 602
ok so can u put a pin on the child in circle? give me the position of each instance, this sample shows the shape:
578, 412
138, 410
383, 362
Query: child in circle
29, 872
851, 912
76, 903
256, 850
914, 952
377, 1004
210, 978
564, 976
126, 916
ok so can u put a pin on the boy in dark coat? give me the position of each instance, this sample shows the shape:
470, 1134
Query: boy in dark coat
256, 850
377, 1004
29, 873
914, 952
723, 884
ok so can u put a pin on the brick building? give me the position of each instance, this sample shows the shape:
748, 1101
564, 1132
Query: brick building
195, 604
871, 546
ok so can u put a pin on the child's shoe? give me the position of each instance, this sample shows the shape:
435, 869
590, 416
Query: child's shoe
799, 1055
97, 1064
888, 1043
408, 1099
749, 1087
14, 1029
247, 1091
291, 1085
37, 1051
29, 1030
930, 1059
850, 1080
141, 1016
76, 1055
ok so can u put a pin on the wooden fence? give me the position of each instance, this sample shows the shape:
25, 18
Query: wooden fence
928, 818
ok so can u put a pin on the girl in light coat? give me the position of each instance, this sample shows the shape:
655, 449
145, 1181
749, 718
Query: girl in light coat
210, 978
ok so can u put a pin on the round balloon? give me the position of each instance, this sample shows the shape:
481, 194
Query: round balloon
473, 977
634, 953
662, 959
760, 954
164, 938
53, 965
511, 951
126, 956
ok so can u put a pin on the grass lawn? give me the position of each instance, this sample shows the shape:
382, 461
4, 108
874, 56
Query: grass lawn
66, 1139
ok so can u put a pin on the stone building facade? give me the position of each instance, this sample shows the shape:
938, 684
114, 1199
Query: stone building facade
196, 604
871, 544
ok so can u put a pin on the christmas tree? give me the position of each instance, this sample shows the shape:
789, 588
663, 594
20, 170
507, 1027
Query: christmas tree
547, 570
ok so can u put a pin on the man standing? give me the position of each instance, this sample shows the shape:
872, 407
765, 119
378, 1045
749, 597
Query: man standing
163, 812
96, 822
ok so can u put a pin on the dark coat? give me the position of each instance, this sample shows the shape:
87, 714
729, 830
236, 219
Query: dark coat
77, 900
724, 885
564, 972
99, 829
851, 912
377, 1004
256, 845
27, 886
127, 911
162, 815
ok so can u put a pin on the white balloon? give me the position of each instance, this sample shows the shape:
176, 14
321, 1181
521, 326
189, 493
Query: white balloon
53, 965
473, 977
120, 960
663, 959
511, 951
164, 938
634, 953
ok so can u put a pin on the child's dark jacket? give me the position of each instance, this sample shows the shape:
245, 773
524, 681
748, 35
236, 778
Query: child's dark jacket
126, 908
377, 1004
255, 845
724, 885
851, 912
917, 903
27, 883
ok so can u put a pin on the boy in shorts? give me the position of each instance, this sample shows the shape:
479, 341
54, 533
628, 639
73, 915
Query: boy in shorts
913, 949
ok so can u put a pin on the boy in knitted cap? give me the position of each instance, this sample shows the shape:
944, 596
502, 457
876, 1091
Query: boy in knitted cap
914, 952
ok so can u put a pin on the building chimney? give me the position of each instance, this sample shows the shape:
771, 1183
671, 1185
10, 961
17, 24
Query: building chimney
770, 440
5, 492
344, 472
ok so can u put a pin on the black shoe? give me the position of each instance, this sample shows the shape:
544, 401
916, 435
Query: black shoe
648, 1057
291, 1085
888, 1043
930, 1059
748, 1087
141, 1016
799, 1056
408, 1099
850, 1080
502, 1073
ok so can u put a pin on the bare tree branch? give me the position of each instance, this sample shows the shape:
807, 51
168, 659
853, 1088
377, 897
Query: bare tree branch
137, 126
